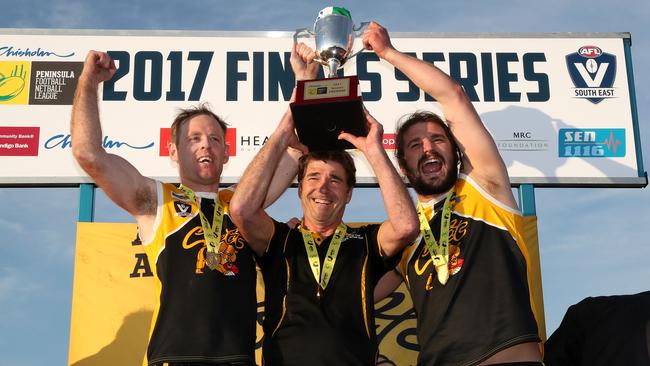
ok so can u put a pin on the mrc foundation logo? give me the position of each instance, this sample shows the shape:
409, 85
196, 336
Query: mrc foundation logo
166, 133
14, 82
592, 143
592, 72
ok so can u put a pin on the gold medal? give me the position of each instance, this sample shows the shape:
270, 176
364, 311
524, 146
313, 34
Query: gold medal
212, 260
211, 231
438, 249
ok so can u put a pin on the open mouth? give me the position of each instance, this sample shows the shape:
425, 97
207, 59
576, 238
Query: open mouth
322, 201
205, 160
431, 165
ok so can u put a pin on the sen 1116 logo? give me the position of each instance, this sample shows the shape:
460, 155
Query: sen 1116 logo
591, 143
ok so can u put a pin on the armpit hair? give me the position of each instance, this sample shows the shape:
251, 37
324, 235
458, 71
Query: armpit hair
146, 200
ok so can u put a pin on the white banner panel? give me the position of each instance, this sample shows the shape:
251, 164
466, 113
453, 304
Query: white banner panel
559, 106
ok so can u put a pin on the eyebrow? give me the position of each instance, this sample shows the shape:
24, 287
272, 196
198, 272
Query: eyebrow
429, 136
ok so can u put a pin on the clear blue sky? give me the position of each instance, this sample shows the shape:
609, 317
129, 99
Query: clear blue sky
593, 241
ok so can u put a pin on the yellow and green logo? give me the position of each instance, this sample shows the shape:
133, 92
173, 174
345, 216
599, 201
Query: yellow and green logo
14, 82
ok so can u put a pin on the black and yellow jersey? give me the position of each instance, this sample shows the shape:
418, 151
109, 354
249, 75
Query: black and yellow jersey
335, 328
202, 315
485, 306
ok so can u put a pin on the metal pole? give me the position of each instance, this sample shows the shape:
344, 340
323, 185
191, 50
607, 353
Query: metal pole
86, 202
527, 199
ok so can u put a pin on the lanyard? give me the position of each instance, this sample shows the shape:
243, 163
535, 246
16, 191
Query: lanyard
211, 232
439, 250
330, 258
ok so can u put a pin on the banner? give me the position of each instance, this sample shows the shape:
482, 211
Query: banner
114, 296
560, 107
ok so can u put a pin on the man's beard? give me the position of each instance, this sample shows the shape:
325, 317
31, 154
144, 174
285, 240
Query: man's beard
435, 188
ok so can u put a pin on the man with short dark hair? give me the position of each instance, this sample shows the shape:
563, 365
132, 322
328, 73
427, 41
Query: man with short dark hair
467, 272
319, 276
204, 272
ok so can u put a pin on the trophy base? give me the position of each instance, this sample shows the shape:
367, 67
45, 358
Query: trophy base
319, 125
325, 108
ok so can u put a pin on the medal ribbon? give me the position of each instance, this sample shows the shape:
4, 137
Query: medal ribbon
330, 258
438, 250
211, 232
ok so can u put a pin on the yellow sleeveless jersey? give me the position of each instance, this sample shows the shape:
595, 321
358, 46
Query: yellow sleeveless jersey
485, 306
202, 315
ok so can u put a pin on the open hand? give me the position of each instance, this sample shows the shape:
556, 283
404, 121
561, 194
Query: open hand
372, 141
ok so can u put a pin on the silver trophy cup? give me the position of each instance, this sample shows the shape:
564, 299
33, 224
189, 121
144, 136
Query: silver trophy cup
334, 36
324, 108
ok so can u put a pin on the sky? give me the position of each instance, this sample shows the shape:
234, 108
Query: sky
592, 241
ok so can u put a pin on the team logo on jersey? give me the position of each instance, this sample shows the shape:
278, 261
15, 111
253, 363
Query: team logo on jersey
231, 243
352, 235
458, 229
592, 72
182, 209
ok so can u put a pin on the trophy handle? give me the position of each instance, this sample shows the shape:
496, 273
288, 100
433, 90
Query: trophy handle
357, 33
302, 33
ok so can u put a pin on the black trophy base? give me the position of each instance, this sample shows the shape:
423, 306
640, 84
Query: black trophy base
319, 124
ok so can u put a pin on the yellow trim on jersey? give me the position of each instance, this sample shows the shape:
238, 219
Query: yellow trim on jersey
284, 299
363, 295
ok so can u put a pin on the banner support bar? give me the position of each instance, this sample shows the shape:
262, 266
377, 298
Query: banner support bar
86, 202
527, 199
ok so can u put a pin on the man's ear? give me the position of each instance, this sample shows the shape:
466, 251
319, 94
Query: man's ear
226, 153
173, 152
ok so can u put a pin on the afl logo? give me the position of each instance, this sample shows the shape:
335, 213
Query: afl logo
593, 73
590, 51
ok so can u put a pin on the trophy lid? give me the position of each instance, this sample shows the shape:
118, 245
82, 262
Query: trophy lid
333, 10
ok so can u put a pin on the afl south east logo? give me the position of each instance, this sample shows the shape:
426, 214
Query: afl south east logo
592, 72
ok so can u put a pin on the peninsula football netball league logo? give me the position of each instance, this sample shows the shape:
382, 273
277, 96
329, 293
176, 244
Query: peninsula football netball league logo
593, 72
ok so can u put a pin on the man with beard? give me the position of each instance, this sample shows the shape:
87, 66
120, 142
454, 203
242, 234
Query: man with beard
203, 268
467, 273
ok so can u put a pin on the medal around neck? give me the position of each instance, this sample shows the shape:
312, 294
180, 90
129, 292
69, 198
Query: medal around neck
211, 230
326, 107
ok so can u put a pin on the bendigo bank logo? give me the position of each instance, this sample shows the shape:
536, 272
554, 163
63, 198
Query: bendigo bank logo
165, 139
592, 72
19, 141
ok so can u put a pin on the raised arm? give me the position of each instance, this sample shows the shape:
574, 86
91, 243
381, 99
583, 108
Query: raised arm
481, 158
247, 204
117, 177
304, 68
402, 225
273, 168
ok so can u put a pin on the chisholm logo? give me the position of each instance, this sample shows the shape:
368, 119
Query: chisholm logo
11, 51
63, 141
